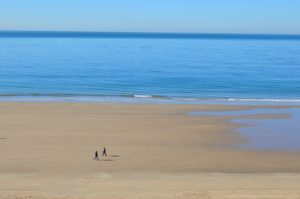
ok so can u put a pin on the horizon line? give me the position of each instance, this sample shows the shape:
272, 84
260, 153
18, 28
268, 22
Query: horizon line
145, 35
148, 32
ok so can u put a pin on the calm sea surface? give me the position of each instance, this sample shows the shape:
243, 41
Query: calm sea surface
61, 65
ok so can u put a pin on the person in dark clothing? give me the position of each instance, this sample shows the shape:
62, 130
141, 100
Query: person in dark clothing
96, 156
104, 152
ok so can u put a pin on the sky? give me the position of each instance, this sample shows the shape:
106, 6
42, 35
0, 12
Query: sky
195, 16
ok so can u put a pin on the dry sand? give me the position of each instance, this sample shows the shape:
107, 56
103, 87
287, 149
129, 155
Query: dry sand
154, 151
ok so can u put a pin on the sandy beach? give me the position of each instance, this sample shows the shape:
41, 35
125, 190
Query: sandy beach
154, 151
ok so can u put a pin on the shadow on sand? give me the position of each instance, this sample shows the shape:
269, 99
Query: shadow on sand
114, 156
106, 160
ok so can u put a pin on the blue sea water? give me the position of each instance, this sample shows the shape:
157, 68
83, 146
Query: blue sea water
149, 66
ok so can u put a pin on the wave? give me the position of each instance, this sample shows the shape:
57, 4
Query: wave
135, 98
265, 100
143, 96
239, 99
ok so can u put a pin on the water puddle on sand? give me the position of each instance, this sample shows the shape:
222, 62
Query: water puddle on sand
265, 133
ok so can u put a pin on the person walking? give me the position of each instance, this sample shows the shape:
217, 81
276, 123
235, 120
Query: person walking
104, 152
96, 156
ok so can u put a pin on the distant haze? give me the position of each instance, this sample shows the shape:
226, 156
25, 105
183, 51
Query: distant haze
211, 16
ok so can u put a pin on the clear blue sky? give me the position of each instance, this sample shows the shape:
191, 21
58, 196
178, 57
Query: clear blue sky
234, 16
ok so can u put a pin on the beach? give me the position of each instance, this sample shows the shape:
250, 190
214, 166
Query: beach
149, 99
154, 151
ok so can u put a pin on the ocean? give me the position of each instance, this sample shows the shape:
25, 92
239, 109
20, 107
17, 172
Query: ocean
149, 67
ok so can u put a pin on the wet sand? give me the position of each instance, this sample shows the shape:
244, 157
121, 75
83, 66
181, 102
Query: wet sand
154, 151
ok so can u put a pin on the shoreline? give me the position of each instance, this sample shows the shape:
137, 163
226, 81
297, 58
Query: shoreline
146, 99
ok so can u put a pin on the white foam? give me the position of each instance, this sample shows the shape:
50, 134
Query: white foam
143, 96
139, 98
